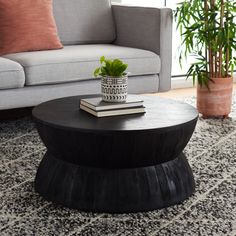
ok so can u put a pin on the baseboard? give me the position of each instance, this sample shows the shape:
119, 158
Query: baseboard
181, 82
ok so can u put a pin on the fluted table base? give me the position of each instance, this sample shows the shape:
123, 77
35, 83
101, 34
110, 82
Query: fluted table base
114, 190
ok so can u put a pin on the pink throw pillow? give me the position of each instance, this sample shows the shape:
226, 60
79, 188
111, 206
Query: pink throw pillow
27, 25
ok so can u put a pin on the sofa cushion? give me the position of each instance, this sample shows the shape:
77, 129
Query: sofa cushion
27, 26
11, 74
84, 21
74, 63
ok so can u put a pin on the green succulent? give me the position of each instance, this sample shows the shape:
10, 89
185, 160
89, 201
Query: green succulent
114, 68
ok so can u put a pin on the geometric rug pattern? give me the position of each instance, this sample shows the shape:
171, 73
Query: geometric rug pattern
210, 211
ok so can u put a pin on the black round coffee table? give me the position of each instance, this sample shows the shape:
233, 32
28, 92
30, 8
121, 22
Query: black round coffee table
118, 164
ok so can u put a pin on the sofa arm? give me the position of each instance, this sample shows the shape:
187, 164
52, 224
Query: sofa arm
150, 29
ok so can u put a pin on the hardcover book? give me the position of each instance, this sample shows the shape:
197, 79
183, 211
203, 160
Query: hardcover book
114, 112
97, 104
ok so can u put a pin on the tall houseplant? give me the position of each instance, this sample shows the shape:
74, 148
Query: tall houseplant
208, 33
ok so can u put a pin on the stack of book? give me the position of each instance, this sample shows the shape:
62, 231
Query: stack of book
99, 108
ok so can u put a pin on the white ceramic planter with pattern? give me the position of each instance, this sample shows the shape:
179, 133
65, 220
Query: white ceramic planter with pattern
114, 89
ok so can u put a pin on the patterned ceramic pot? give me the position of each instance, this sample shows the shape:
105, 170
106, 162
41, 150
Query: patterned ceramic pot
114, 89
216, 102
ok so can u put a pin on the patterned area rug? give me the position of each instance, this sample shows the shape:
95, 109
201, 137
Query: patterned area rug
210, 211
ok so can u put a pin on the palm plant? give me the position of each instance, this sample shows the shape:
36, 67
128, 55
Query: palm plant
208, 31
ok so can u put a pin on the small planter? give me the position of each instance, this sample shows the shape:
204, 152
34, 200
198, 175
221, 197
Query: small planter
217, 101
114, 89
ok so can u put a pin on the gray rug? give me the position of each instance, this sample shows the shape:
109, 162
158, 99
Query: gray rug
210, 211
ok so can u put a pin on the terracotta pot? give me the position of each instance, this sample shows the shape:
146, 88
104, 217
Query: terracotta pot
217, 101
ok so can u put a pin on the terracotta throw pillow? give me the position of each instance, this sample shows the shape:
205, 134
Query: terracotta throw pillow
27, 25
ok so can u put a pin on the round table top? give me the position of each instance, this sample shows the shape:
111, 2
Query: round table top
160, 114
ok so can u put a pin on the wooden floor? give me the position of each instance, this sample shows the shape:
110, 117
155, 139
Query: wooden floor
179, 93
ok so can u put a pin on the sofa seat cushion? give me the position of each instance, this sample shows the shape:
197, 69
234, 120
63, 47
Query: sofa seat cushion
74, 63
11, 74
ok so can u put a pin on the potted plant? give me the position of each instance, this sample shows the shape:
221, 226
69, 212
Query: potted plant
208, 33
114, 84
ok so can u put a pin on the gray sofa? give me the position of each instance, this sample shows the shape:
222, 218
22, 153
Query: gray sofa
89, 29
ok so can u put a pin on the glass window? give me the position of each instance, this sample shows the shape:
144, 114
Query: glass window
176, 68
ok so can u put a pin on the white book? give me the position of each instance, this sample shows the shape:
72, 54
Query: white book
97, 104
116, 112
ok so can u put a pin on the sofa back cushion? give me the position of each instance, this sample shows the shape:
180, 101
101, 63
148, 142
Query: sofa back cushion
84, 21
